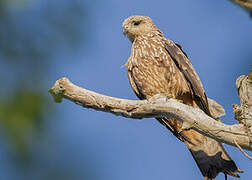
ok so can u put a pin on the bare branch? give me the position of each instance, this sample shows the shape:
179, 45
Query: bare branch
158, 106
244, 87
245, 4
243, 152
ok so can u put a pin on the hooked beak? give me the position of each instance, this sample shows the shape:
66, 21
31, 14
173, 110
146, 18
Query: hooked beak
125, 31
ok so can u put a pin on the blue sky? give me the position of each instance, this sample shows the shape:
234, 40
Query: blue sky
216, 35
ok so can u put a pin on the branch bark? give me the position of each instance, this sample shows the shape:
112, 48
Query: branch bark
245, 4
157, 106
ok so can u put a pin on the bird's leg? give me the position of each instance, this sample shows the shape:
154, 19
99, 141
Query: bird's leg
157, 98
172, 96
164, 97
185, 127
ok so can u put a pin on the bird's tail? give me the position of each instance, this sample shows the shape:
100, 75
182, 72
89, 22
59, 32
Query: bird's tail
211, 157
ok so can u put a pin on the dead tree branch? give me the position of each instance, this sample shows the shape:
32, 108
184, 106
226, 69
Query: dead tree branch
158, 106
243, 152
245, 4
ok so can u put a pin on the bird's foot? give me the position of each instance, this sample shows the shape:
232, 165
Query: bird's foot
185, 127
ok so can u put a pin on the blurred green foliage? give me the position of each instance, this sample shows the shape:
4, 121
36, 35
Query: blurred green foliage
33, 34
39, 31
21, 114
15, 3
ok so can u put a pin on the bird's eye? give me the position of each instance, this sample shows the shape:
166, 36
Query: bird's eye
136, 23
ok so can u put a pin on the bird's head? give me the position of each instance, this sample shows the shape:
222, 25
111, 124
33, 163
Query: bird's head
137, 25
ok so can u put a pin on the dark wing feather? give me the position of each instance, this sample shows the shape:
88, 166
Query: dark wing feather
184, 65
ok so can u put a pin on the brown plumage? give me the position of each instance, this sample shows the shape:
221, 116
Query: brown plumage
159, 66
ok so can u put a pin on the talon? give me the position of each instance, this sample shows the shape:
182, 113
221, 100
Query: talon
186, 126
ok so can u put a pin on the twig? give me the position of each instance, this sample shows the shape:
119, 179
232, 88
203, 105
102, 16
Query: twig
243, 152
245, 4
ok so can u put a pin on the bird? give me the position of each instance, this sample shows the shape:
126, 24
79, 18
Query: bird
158, 65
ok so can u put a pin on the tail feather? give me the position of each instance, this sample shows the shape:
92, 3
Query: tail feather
210, 155
212, 159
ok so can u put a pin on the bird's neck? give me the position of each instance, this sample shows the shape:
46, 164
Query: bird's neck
154, 33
